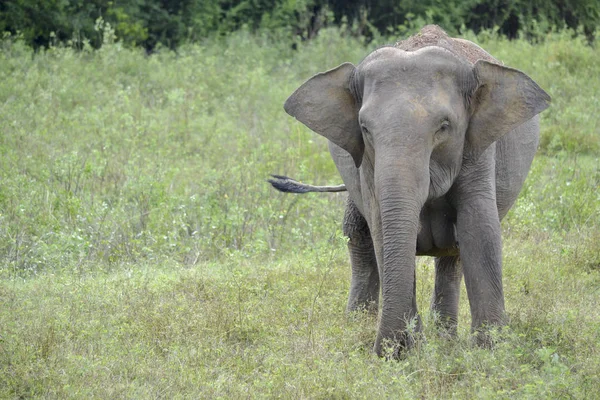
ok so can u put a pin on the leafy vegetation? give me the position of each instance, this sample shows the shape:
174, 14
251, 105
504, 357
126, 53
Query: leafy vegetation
143, 255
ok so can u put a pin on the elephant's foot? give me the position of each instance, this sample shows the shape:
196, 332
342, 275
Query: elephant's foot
394, 349
486, 335
446, 326
396, 345
486, 323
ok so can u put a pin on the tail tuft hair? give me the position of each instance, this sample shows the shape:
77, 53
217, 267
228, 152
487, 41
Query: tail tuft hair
287, 185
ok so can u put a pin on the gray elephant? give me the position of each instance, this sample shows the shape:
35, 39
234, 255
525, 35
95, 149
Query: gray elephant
433, 138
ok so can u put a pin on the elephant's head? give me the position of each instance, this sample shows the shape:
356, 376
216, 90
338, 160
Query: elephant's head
427, 105
411, 119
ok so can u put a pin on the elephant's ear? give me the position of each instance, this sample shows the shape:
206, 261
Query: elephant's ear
504, 99
325, 104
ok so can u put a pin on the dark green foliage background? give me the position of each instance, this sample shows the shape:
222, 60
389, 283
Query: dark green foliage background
170, 23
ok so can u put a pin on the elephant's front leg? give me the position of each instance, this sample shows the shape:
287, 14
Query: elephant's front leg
364, 288
446, 294
480, 242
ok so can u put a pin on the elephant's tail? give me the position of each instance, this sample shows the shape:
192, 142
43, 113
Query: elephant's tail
289, 185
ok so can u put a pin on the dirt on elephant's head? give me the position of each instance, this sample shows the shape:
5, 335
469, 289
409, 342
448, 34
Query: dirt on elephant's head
430, 35
433, 35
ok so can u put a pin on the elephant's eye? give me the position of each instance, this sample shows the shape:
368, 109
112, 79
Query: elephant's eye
365, 130
444, 126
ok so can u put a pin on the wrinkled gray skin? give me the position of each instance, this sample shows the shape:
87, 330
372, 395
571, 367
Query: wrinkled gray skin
433, 145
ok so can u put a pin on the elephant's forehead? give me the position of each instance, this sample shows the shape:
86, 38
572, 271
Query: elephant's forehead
430, 62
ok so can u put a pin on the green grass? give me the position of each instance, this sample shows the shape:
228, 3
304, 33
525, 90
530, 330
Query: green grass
142, 254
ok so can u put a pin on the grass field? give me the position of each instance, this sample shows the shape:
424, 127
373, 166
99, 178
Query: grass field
142, 254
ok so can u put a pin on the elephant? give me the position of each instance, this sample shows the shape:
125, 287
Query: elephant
433, 139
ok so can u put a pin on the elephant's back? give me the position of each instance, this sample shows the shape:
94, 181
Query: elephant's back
433, 35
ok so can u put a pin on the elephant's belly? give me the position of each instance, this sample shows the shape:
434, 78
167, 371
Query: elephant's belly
437, 233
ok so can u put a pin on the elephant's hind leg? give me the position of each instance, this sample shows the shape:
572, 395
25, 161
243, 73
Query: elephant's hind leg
364, 288
448, 275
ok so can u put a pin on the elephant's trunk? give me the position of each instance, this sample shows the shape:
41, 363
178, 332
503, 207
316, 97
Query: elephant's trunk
402, 189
